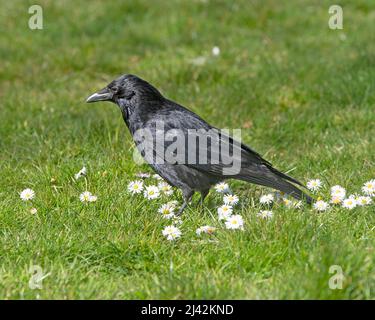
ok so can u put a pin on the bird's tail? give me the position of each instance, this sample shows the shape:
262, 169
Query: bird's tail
277, 180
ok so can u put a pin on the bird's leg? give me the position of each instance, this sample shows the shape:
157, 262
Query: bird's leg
187, 197
204, 194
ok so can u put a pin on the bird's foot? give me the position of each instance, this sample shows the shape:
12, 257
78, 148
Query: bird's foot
179, 212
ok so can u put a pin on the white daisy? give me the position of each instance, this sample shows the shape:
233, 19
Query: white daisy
198, 61
173, 203
224, 212
93, 198
143, 175
287, 202
33, 210
135, 186
267, 199
27, 194
314, 184
321, 205
222, 187
336, 200
363, 201
265, 214
205, 229
215, 51
157, 177
234, 222
338, 192
167, 211
349, 203
297, 204
165, 188
171, 232
279, 195
230, 199
85, 196
81, 173
151, 192
176, 220
369, 188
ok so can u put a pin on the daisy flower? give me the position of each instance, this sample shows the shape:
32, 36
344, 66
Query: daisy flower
151, 192
172, 203
314, 184
349, 203
171, 232
321, 205
336, 199
267, 199
93, 198
292, 203
165, 188
265, 214
157, 177
279, 195
143, 175
167, 211
176, 220
215, 51
338, 192
205, 229
363, 201
224, 212
87, 196
198, 61
234, 222
27, 194
81, 173
221, 187
135, 186
369, 188
33, 210
288, 203
297, 204
231, 199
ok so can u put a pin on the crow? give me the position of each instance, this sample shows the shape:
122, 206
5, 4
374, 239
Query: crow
185, 150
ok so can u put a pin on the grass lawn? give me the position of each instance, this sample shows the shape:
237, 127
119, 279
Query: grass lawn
302, 94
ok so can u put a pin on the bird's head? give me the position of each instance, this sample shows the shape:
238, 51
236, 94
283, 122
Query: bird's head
127, 91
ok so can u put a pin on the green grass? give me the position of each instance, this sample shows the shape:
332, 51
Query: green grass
303, 95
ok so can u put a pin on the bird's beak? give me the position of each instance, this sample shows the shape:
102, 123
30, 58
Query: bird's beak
102, 95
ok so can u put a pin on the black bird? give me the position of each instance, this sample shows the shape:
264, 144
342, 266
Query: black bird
166, 135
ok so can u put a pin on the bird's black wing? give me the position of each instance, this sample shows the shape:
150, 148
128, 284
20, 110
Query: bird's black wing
214, 152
